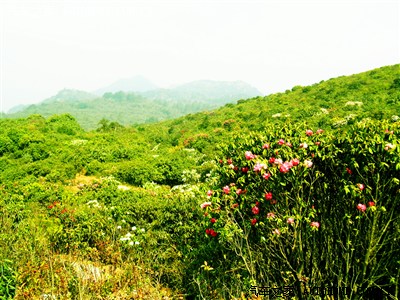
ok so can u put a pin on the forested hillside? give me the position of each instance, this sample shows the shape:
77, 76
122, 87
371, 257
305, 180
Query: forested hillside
296, 189
127, 107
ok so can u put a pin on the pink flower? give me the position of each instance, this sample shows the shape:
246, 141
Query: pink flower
290, 221
371, 203
226, 189
266, 176
361, 207
245, 169
295, 162
314, 224
308, 163
389, 146
319, 131
270, 215
281, 142
304, 145
276, 231
265, 146
253, 221
255, 210
249, 155
278, 161
238, 191
289, 144
258, 167
231, 166
360, 186
209, 193
309, 132
317, 143
213, 220
284, 168
273, 201
205, 204
268, 196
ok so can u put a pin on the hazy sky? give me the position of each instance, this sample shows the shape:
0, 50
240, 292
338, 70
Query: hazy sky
86, 44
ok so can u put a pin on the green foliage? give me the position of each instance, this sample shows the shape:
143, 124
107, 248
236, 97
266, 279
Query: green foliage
7, 280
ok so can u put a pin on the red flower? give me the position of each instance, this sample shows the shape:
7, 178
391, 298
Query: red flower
255, 210
361, 207
257, 203
349, 171
249, 155
266, 176
226, 189
208, 231
209, 193
239, 191
281, 142
253, 221
272, 160
50, 206
268, 196
273, 201
213, 233
371, 203
295, 162
229, 161
245, 169
309, 132
221, 161
213, 220
235, 205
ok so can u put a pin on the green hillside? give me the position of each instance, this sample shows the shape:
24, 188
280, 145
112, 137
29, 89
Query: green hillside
296, 189
128, 108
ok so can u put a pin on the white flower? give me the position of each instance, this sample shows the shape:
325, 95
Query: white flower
142, 230
137, 243
119, 227
134, 228
123, 221
128, 235
131, 243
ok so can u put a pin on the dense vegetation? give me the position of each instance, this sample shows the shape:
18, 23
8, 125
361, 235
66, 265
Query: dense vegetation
208, 205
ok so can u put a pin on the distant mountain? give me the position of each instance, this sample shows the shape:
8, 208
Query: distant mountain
133, 84
17, 108
70, 95
129, 108
214, 93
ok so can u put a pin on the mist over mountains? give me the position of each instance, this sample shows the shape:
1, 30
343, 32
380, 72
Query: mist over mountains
137, 100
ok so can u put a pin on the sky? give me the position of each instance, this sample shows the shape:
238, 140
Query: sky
47, 45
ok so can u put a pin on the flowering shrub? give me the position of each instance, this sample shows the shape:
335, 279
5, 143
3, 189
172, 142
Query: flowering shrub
302, 217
